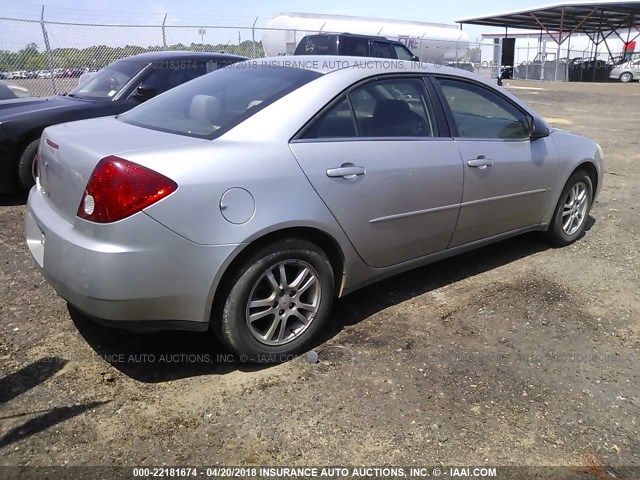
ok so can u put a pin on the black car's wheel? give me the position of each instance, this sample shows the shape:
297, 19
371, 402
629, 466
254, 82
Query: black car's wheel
626, 77
279, 299
25, 166
570, 218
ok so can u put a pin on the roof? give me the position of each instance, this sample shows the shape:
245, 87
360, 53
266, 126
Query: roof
182, 55
379, 38
579, 16
332, 63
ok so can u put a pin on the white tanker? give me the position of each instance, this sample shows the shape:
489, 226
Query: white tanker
432, 42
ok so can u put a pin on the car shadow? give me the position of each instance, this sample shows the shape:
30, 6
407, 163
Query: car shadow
164, 356
159, 356
356, 307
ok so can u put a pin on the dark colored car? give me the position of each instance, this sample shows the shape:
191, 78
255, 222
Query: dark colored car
353, 45
115, 89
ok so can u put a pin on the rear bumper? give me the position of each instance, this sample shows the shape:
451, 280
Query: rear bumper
134, 274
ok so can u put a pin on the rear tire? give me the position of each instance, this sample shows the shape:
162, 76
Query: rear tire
279, 299
25, 166
570, 218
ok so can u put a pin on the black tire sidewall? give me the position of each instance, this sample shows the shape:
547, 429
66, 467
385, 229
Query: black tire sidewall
25, 165
232, 328
556, 233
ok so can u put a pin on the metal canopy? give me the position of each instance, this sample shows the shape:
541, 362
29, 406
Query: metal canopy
567, 18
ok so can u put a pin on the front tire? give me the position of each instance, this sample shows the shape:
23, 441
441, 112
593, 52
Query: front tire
25, 166
280, 298
570, 218
626, 77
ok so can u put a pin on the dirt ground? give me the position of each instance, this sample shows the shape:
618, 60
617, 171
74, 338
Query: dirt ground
515, 354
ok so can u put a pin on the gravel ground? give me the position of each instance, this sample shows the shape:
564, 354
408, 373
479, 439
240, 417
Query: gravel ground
515, 354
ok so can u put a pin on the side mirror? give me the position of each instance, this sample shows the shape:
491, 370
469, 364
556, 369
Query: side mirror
145, 92
415, 58
538, 129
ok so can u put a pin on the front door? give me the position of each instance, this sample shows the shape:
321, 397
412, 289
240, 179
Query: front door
506, 174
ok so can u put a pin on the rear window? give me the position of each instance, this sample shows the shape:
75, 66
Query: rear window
212, 104
318, 45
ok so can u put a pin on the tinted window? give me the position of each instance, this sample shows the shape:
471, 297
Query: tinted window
480, 113
166, 75
337, 122
212, 104
354, 46
318, 45
382, 50
393, 108
403, 53
385, 108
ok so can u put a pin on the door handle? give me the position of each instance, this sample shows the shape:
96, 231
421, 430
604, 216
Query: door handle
346, 171
480, 162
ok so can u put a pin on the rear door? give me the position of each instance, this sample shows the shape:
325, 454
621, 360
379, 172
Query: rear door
507, 176
376, 159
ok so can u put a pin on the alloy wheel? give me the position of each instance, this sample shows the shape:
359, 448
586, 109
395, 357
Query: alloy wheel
283, 302
574, 210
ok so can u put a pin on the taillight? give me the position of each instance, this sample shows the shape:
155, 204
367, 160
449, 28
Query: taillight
119, 188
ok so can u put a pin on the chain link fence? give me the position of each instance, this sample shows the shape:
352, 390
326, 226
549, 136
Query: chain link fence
47, 57
54, 54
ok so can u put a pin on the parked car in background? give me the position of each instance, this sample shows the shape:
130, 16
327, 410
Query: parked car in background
248, 199
626, 71
73, 72
463, 65
353, 45
10, 91
17, 74
115, 89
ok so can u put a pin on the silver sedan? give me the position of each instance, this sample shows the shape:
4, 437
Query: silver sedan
626, 72
246, 200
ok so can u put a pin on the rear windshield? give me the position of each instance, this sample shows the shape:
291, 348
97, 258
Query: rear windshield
214, 103
318, 45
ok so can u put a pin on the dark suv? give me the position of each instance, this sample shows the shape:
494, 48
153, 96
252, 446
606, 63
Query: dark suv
353, 45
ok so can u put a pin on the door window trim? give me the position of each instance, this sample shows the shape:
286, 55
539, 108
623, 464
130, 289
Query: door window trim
453, 127
440, 127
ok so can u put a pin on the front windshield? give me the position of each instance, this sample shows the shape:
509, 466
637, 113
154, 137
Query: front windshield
106, 83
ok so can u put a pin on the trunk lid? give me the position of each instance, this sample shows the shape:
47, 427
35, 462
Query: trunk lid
69, 152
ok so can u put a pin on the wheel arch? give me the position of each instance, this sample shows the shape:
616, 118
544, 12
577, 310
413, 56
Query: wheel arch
633, 77
323, 240
591, 170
